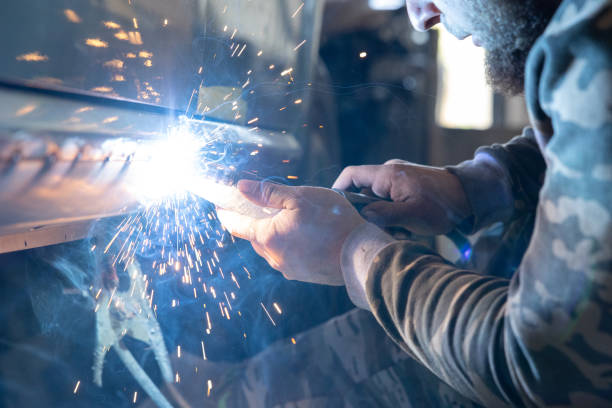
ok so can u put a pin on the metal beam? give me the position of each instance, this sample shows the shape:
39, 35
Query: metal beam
66, 161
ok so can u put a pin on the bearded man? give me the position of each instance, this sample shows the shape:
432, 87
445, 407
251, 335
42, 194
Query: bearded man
543, 337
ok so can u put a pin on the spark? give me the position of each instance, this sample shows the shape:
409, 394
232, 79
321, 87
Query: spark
96, 43
227, 299
135, 23
363, 54
145, 54
293, 340
72, 16
76, 387
116, 63
292, 177
165, 23
122, 35
297, 101
277, 307
135, 38
203, 350
112, 25
26, 110
135, 397
110, 120
297, 47
102, 89
83, 109
287, 72
267, 313
35, 56
110, 300
298, 10
210, 385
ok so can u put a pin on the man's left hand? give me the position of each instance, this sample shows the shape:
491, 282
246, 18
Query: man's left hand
304, 240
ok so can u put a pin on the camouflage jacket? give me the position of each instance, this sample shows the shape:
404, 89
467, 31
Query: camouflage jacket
543, 337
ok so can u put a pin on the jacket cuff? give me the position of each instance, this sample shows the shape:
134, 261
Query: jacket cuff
488, 190
358, 253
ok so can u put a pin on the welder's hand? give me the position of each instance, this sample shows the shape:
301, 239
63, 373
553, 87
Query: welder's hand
304, 240
425, 200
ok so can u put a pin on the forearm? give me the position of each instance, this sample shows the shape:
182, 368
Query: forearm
450, 320
430, 308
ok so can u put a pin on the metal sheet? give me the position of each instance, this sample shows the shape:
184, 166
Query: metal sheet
62, 160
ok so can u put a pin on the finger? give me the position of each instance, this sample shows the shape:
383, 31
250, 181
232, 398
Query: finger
396, 161
269, 195
356, 177
238, 225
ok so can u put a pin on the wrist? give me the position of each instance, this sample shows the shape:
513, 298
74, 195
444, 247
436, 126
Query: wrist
487, 190
461, 210
358, 252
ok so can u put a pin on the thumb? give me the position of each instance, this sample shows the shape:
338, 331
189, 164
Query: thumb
270, 195
238, 225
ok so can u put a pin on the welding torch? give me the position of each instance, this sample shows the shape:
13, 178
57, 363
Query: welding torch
360, 201
228, 197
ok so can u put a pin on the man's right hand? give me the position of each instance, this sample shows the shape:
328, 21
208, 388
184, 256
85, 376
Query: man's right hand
425, 200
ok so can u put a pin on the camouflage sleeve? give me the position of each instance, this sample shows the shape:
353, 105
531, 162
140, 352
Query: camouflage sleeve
543, 338
502, 181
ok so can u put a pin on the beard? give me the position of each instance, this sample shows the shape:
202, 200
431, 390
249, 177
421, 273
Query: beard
522, 24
